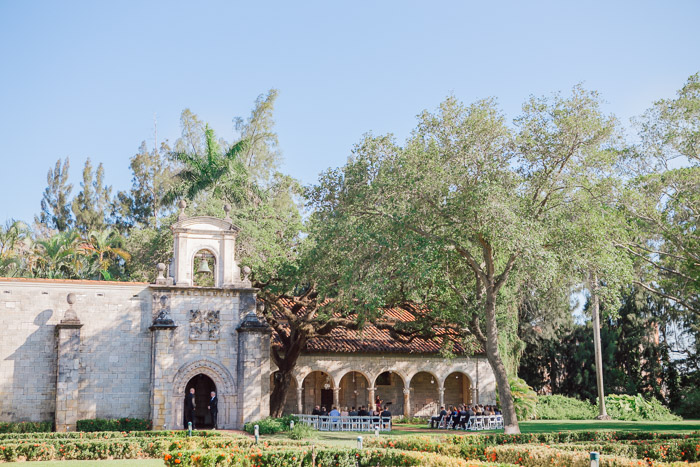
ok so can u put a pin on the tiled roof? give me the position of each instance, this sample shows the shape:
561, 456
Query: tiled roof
68, 281
373, 340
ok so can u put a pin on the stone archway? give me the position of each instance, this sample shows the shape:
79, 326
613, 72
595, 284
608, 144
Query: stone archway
203, 386
222, 380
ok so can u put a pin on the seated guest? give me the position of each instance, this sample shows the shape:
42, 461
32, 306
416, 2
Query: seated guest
316, 411
353, 412
463, 417
344, 412
385, 413
435, 421
497, 411
324, 412
454, 415
362, 412
335, 413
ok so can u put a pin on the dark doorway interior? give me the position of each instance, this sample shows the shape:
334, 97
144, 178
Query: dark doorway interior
203, 386
327, 399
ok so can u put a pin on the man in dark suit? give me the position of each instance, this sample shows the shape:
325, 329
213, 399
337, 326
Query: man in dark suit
213, 408
189, 408
435, 421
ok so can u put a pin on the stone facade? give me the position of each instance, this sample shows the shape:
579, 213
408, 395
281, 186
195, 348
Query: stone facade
133, 349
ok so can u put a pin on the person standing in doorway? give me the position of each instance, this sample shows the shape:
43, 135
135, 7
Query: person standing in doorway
213, 407
189, 408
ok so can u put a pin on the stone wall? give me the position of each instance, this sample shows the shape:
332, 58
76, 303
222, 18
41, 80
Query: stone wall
114, 348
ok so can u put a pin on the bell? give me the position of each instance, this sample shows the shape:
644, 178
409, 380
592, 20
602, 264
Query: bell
203, 267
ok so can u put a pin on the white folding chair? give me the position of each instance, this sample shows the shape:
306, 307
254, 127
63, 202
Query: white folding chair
479, 422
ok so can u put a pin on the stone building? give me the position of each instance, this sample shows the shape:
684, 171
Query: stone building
74, 350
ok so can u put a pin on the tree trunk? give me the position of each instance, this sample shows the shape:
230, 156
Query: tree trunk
278, 398
510, 419
602, 413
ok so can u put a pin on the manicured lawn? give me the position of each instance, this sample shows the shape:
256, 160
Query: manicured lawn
349, 439
113, 463
543, 426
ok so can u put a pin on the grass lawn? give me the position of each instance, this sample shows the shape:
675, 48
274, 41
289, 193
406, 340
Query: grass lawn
113, 463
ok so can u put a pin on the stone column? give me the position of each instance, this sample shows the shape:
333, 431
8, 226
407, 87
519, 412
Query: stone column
336, 397
441, 391
68, 369
407, 402
161, 367
253, 364
300, 395
371, 397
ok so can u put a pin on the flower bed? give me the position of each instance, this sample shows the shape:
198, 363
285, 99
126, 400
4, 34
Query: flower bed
25, 427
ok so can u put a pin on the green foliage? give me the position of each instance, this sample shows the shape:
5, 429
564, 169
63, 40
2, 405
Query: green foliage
301, 431
55, 202
90, 205
25, 427
524, 398
559, 407
121, 424
626, 407
689, 406
270, 426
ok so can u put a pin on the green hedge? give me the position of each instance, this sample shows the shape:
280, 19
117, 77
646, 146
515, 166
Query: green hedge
558, 407
325, 456
626, 407
270, 426
121, 424
26, 427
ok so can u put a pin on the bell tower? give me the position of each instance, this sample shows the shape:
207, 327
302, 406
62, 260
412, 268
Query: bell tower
197, 238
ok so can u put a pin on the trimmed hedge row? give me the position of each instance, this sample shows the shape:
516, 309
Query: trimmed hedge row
666, 447
337, 457
82, 449
26, 427
115, 434
119, 424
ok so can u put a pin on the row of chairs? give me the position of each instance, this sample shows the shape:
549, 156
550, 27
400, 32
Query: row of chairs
475, 423
347, 423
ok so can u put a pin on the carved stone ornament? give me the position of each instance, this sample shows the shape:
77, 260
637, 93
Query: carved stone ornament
204, 325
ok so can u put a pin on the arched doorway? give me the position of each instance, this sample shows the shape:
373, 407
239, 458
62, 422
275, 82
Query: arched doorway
388, 388
317, 390
353, 390
203, 386
425, 396
457, 389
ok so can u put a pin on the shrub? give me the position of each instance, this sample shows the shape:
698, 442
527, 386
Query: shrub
524, 398
625, 407
26, 427
301, 431
270, 426
410, 420
564, 408
121, 424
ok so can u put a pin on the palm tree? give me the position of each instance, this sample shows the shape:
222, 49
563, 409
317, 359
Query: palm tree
224, 175
14, 238
55, 255
104, 247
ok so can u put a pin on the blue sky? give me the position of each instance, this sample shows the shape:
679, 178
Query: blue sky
84, 79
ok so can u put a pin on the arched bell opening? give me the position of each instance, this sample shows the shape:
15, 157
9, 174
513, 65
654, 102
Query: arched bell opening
204, 269
203, 386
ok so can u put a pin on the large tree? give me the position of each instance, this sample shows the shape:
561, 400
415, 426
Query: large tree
55, 203
153, 176
90, 205
663, 199
474, 202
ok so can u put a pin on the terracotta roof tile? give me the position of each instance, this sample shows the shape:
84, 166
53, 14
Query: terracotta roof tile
373, 340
